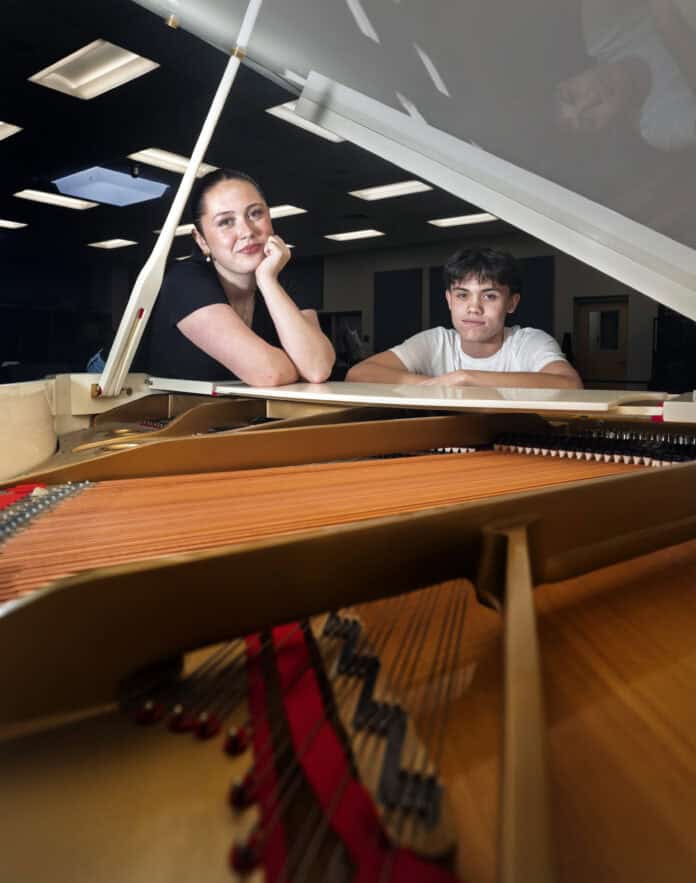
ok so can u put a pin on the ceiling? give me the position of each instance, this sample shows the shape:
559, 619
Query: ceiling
165, 108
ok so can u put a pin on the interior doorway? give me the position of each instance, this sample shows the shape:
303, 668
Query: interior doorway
601, 340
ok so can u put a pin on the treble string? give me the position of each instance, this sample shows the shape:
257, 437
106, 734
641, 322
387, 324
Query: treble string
458, 632
222, 668
323, 820
292, 777
278, 737
437, 667
419, 759
396, 814
153, 691
291, 784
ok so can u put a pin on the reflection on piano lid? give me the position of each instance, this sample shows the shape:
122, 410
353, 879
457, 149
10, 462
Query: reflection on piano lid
529, 110
580, 401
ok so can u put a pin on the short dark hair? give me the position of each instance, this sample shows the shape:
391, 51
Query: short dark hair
486, 264
207, 182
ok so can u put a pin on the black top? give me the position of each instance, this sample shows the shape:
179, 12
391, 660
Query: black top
188, 287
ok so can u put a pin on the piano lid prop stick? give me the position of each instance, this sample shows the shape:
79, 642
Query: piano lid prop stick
147, 285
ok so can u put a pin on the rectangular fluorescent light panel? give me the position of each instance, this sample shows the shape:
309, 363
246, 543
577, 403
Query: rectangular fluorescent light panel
172, 162
55, 199
7, 129
354, 234
387, 191
284, 211
181, 230
107, 186
93, 70
287, 112
459, 220
11, 225
112, 243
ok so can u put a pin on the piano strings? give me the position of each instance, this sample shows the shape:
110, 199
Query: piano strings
424, 642
111, 523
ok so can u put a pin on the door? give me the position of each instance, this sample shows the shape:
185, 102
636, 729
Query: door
601, 340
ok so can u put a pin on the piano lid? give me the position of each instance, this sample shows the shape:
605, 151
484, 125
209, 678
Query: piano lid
581, 113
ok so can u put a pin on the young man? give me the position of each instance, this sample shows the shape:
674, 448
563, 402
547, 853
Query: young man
483, 287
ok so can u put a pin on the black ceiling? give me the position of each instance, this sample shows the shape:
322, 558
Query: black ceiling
165, 109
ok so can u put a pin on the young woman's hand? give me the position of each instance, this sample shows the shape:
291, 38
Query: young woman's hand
277, 254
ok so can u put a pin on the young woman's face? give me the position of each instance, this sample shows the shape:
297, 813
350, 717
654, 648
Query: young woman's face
236, 224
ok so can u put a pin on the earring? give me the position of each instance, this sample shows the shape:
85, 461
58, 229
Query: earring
207, 258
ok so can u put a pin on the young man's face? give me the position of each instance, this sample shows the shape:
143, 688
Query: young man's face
479, 307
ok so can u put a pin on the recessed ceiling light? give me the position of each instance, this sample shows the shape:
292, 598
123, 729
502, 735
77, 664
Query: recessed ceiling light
93, 70
353, 234
110, 187
459, 220
284, 211
387, 191
11, 225
7, 129
287, 112
55, 199
181, 230
112, 243
172, 162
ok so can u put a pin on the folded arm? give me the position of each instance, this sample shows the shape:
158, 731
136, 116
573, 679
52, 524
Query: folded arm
679, 36
299, 333
557, 375
384, 367
220, 332
298, 330
387, 367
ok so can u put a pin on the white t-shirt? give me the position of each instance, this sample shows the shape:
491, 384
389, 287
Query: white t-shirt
439, 351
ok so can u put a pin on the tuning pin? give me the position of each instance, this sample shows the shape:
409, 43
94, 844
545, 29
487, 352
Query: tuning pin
181, 721
150, 712
207, 725
246, 857
243, 793
237, 740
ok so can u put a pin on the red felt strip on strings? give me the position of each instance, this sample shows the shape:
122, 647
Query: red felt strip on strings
347, 805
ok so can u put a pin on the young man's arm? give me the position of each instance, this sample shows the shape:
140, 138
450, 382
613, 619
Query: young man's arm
555, 375
384, 367
679, 35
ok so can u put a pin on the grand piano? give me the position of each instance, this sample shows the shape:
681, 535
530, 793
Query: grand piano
562, 612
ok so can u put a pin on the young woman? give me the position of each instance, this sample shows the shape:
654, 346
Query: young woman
225, 312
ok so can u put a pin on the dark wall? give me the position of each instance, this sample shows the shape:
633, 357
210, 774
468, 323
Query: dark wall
674, 349
303, 279
397, 306
50, 319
